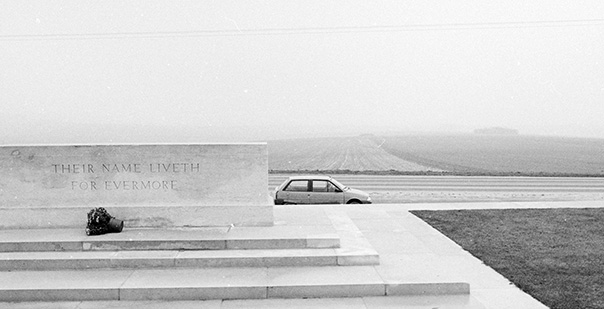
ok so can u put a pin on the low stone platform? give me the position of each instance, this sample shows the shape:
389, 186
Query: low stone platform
319, 269
412, 254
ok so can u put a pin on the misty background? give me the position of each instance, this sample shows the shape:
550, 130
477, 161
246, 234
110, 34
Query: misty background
210, 71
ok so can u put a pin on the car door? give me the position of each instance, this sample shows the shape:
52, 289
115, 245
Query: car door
325, 192
296, 192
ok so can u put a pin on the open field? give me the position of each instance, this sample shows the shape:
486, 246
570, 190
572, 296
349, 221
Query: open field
441, 154
502, 154
555, 255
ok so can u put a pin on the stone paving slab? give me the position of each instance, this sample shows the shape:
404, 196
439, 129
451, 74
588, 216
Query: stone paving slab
61, 286
191, 284
351, 281
301, 216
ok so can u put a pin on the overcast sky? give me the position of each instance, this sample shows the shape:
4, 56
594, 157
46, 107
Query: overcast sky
93, 66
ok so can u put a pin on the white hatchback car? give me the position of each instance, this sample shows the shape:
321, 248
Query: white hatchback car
317, 190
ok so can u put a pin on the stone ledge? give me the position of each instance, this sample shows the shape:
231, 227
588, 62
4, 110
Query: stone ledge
166, 259
272, 237
138, 216
216, 283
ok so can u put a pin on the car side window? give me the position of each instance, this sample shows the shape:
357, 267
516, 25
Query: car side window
297, 186
319, 186
323, 186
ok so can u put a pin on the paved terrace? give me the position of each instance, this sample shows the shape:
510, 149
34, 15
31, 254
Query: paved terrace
410, 250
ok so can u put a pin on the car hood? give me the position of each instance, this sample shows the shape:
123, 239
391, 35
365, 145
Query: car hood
357, 192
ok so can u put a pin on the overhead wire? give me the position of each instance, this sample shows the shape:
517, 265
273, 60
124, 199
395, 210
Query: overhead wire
302, 30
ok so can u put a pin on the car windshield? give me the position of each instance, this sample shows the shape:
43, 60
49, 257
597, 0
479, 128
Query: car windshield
341, 186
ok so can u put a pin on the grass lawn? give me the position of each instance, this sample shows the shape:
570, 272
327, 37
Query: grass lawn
555, 255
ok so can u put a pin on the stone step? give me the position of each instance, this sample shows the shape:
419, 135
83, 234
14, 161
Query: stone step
210, 283
53, 260
215, 238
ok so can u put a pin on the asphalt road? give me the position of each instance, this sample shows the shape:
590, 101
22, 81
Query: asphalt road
406, 189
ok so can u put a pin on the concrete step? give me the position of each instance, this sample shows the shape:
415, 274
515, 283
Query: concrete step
53, 260
222, 238
211, 283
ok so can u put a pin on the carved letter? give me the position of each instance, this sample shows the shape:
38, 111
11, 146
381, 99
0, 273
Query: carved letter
195, 167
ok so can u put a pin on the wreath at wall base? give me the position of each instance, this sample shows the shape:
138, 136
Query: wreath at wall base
101, 222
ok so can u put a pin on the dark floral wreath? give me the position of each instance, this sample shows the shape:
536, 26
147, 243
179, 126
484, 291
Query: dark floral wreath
98, 221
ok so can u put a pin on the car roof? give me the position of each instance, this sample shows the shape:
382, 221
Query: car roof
308, 177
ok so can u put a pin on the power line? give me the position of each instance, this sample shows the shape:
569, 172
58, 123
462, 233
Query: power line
299, 31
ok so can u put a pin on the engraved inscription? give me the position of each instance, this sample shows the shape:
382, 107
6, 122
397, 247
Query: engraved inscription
123, 168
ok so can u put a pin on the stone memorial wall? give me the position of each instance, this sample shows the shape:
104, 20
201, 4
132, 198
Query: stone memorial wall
218, 184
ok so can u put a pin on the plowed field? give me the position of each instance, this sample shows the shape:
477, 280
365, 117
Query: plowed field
362, 153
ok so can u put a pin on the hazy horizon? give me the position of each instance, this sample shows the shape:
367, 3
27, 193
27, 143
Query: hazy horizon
176, 134
101, 72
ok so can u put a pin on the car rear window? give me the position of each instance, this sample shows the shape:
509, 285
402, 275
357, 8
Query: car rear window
297, 185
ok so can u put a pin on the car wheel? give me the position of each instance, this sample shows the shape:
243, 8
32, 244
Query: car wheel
353, 202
